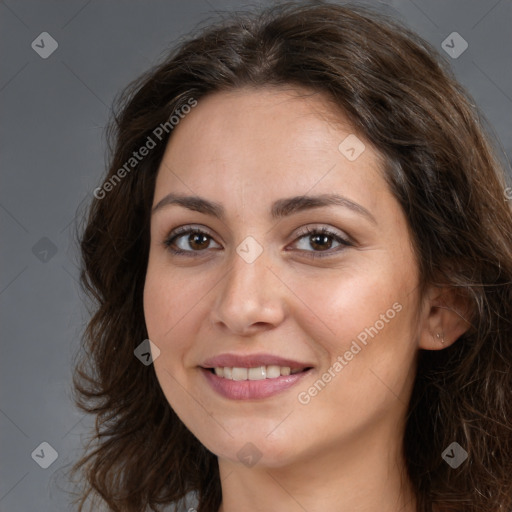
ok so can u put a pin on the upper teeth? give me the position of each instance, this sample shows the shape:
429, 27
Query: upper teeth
257, 373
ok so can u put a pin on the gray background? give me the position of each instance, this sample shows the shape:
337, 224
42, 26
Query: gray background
53, 113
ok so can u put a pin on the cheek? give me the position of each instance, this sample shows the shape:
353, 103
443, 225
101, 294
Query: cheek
337, 309
169, 307
169, 314
169, 298
365, 324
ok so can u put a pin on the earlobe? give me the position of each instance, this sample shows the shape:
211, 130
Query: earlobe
445, 318
440, 337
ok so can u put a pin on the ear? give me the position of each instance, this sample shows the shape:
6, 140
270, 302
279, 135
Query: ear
445, 317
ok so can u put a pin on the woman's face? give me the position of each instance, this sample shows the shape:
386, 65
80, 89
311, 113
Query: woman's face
303, 263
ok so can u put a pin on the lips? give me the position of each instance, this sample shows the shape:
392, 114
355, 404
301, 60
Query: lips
253, 361
252, 376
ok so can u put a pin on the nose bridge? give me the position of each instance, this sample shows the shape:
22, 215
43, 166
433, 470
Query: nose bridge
248, 293
250, 273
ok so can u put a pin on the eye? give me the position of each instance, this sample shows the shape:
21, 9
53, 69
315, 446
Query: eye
321, 240
188, 240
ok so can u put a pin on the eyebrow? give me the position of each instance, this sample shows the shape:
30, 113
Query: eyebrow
280, 208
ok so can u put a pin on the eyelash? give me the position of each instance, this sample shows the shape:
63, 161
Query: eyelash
308, 231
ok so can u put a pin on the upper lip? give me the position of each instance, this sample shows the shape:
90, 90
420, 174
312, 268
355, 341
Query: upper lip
251, 361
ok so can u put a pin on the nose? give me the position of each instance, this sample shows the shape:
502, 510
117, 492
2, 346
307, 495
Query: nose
250, 299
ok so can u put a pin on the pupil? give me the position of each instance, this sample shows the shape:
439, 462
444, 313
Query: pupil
321, 240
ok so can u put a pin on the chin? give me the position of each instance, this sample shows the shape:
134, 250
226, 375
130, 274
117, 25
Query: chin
254, 449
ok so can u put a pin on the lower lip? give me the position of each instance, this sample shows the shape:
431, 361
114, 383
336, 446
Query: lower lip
251, 389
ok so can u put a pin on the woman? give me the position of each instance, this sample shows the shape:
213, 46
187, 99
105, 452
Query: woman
305, 217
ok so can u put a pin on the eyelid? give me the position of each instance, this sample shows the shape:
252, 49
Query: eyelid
187, 228
183, 230
322, 228
343, 240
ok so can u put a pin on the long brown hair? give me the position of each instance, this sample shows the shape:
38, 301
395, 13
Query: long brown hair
402, 97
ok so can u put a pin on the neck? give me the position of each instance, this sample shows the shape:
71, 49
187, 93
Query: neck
363, 475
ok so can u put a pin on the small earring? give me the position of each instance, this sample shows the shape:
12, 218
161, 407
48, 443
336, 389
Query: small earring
440, 337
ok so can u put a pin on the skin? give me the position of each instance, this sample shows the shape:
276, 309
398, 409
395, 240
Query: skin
246, 149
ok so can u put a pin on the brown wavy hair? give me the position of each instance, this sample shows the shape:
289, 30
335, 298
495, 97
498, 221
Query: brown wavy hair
440, 165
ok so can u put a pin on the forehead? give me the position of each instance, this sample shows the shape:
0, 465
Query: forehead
269, 142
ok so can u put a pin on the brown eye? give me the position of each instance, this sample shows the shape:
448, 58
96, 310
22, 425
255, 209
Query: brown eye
198, 241
321, 242
317, 241
188, 240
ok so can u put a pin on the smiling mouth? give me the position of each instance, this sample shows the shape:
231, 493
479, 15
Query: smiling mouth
268, 372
